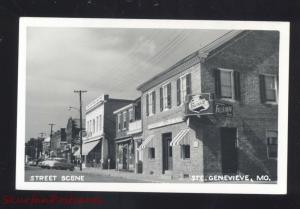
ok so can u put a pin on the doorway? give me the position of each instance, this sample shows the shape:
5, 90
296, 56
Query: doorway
167, 152
229, 150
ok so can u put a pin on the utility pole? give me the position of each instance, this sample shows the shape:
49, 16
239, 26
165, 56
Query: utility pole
51, 129
80, 111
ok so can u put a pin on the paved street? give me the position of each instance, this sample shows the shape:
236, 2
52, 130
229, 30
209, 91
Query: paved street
38, 174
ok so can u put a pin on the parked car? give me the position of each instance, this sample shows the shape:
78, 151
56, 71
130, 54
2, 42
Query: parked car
32, 162
57, 163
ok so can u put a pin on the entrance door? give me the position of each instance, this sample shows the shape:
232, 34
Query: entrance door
125, 159
229, 150
167, 152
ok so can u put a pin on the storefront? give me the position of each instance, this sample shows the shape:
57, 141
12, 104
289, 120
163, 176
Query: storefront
125, 155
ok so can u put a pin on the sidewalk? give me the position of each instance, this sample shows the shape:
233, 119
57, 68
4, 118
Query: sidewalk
133, 176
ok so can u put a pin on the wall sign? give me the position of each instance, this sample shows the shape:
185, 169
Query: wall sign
199, 104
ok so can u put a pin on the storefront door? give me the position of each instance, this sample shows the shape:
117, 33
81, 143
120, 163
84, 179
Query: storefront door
229, 150
125, 157
167, 152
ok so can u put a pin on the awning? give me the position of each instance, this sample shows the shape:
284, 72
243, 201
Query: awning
179, 137
86, 148
147, 140
124, 140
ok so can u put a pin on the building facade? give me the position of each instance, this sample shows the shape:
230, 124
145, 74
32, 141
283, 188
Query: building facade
215, 111
128, 136
98, 148
58, 143
73, 137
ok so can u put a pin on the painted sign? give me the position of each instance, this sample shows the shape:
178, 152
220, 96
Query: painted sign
223, 108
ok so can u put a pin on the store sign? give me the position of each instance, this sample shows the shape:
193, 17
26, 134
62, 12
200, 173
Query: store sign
203, 104
200, 104
223, 108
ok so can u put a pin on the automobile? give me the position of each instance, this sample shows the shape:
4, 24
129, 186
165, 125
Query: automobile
32, 162
58, 163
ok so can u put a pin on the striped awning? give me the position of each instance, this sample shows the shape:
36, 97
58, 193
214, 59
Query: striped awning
147, 140
86, 148
176, 140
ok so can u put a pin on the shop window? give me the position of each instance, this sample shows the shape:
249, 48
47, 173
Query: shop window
151, 152
268, 88
272, 144
185, 151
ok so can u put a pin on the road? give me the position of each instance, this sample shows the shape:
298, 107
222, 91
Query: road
37, 174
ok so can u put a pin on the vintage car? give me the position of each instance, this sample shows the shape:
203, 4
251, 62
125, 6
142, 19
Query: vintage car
57, 163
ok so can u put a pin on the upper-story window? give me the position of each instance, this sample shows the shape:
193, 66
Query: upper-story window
119, 122
97, 123
183, 88
124, 119
227, 84
131, 115
165, 97
268, 88
93, 125
100, 122
150, 103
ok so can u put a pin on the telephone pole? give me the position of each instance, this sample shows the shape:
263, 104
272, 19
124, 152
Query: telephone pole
80, 92
51, 129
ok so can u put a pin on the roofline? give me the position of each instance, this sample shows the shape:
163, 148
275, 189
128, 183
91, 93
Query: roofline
123, 108
204, 52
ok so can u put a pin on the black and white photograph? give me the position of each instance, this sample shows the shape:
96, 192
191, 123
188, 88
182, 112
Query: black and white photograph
152, 105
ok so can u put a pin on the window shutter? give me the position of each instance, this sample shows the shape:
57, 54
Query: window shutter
161, 99
237, 86
147, 104
262, 88
169, 95
217, 83
121, 120
153, 102
188, 84
178, 92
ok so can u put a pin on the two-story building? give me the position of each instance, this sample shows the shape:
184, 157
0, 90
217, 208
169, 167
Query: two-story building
98, 148
128, 136
215, 111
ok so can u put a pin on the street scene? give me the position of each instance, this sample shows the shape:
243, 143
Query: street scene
151, 105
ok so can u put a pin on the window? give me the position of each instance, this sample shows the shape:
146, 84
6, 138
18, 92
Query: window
100, 122
93, 125
183, 88
185, 151
272, 144
150, 103
125, 120
268, 88
165, 97
151, 152
131, 116
119, 122
97, 123
227, 84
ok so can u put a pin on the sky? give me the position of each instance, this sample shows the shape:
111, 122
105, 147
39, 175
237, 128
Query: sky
110, 61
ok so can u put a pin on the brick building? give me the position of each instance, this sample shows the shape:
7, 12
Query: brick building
58, 143
98, 148
215, 111
128, 135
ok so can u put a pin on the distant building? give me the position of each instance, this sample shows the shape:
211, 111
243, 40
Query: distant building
72, 137
98, 148
46, 147
58, 143
215, 111
128, 135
